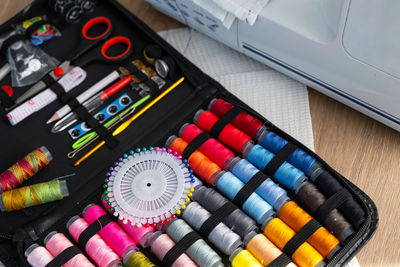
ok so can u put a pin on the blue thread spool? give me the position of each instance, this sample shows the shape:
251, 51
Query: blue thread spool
287, 174
275, 143
255, 206
268, 190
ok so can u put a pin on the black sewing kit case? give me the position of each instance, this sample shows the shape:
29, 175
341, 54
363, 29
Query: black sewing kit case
19, 229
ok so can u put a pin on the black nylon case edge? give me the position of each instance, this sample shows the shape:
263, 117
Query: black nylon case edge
153, 128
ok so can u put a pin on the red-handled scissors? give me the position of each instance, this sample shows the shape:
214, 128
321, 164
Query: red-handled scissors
88, 51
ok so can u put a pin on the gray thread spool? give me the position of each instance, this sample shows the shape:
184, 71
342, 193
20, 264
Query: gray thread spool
211, 200
221, 236
200, 251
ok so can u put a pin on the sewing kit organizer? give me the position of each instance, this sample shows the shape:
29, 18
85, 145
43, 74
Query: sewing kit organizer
165, 166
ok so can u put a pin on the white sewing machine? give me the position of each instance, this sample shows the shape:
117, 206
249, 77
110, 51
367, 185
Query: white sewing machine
347, 49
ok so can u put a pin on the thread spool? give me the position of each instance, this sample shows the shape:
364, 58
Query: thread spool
263, 249
268, 190
279, 233
137, 259
33, 195
243, 258
295, 217
199, 251
38, 256
211, 148
25, 168
211, 200
254, 206
96, 248
200, 164
229, 136
243, 121
221, 236
161, 243
310, 196
139, 234
287, 174
56, 243
112, 233
328, 185
298, 158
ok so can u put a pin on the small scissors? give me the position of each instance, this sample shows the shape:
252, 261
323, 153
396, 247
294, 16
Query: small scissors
85, 54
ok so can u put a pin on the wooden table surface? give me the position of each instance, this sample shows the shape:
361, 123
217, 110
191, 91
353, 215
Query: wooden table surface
362, 149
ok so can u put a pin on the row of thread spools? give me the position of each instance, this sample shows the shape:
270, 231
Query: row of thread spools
248, 188
258, 181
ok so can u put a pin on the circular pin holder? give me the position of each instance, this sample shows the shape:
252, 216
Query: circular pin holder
148, 186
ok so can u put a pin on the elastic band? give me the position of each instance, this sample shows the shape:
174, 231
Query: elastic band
93, 229
281, 260
179, 248
104, 134
73, 103
58, 89
154, 91
300, 237
279, 159
331, 203
33, 27
64, 257
48, 80
224, 120
195, 144
5, 99
131, 68
9, 41
141, 76
249, 188
216, 218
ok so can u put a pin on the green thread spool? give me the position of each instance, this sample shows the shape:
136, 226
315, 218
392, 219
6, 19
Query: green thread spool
137, 259
33, 195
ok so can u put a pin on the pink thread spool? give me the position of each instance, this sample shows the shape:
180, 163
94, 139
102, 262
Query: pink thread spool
102, 254
139, 234
57, 243
112, 233
38, 256
161, 243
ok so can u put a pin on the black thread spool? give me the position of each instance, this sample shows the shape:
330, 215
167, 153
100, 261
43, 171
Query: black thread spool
328, 185
211, 200
312, 198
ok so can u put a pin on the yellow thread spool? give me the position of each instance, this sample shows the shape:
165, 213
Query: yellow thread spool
137, 259
243, 258
279, 233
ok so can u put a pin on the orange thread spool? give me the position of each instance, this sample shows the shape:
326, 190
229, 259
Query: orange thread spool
199, 163
279, 233
321, 240
263, 249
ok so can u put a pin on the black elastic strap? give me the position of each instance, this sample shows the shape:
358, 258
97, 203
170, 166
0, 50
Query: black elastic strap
93, 229
64, 257
9, 41
195, 144
224, 120
104, 134
281, 260
249, 188
73, 103
141, 76
216, 218
154, 91
131, 68
48, 80
180, 247
35, 26
331, 203
5, 99
300, 237
279, 159
58, 89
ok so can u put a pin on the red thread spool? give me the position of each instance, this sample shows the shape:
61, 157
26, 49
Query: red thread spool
230, 135
243, 121
200, 164
211, 148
